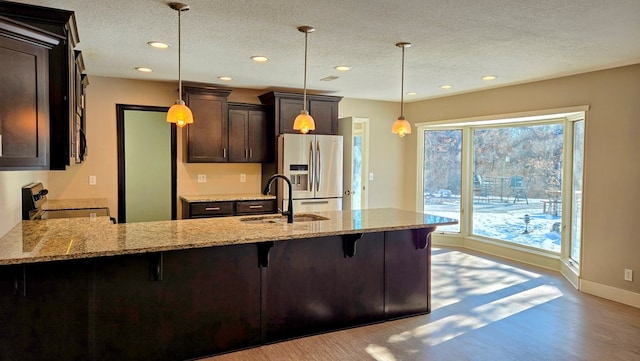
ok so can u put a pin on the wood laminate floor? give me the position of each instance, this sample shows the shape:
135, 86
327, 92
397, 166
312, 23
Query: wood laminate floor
483, 308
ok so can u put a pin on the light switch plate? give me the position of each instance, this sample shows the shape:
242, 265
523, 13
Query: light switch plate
628, 275
370, 176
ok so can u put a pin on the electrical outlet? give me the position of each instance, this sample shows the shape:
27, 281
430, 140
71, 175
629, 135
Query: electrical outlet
202, 178
628, 275
243, 178
92, 180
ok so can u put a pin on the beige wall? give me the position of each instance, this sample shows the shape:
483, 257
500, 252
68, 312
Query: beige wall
612, 157
10, 196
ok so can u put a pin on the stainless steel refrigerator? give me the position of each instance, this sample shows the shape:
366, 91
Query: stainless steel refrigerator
313, 163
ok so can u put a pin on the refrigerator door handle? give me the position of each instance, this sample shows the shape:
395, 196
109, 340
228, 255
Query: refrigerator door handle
318, 166
311, 168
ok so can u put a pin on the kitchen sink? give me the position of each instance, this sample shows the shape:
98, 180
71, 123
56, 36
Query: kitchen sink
302, 217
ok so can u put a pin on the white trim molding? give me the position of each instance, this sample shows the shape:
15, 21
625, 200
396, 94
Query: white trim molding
610, 293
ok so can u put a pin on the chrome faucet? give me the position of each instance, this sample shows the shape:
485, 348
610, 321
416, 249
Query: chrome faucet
267, 189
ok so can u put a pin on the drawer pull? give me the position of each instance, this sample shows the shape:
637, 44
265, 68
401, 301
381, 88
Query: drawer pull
255, 207
212, 209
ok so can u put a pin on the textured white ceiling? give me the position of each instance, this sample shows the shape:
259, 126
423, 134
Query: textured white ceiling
454, 42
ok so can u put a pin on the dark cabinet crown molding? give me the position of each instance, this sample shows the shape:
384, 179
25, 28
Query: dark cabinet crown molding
269, 98
28, 34
54, 17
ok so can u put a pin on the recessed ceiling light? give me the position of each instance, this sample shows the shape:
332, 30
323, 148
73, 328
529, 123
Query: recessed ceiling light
225, 78
342, 68
412, 93
143, 69
446, 86
158, 44
489, 77
260, 59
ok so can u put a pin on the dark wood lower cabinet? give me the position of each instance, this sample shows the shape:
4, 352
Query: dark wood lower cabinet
186, 304
311, 286
43, 311
407, 273
12, 338
177, 305
56, 314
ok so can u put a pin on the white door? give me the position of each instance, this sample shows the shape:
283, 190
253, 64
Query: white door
356, 162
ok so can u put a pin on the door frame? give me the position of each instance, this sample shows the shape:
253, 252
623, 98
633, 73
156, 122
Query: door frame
120, 119
347, 127
364, 131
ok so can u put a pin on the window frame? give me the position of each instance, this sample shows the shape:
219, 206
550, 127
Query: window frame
566, 116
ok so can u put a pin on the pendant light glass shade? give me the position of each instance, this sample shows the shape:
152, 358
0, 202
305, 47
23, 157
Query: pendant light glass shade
402, 127
179, 113
304, 122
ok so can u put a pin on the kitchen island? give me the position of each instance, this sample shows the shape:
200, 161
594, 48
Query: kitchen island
89, 289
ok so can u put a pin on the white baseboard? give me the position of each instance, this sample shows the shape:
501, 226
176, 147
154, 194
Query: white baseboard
610, 293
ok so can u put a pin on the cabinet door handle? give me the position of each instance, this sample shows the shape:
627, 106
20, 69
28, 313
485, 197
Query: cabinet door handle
224, 153
255, 207
250, 153
212, 209
246, 153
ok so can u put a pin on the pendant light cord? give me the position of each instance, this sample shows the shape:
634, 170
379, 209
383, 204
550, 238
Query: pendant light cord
304, 94
402, 87
179, 57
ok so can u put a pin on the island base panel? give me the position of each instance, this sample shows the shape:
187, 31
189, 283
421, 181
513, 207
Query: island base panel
407, 273
311, 286
207, 302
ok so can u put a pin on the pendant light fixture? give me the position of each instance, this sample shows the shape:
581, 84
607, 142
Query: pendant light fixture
402, 126
179, 113
304, 122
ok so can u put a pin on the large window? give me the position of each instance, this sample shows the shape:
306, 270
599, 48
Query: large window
442, 174
504, 179
576, 192
517, 171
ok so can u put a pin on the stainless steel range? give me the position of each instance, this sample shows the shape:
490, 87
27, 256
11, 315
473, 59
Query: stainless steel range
34, 202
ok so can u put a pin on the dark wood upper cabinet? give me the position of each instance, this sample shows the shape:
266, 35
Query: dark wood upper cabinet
224, 132
24, 109
62, 142
207, 138
248, 133
285, 107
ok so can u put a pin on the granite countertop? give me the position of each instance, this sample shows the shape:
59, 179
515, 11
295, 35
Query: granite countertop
76, 238
84, 203
226, 197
